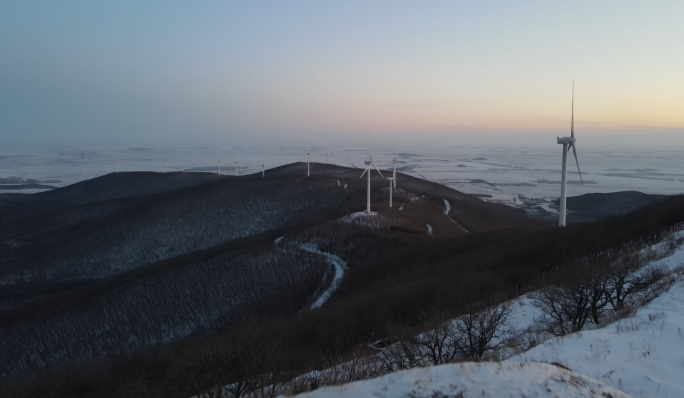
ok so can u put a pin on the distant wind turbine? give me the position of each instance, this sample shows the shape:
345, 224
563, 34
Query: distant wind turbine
236, 168
164, 165
326, 156
219, 164
393, 180
117, 166
263, 170
370, 163
308, 154
568, 142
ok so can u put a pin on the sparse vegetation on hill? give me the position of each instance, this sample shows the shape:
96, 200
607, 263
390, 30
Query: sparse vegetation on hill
241, 297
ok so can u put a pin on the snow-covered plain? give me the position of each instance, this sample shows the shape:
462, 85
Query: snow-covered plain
498, 171
471, 380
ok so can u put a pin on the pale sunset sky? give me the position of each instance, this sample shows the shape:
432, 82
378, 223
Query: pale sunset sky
77, 70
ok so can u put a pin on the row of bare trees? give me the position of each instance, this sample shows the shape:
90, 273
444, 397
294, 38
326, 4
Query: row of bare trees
586, 295
474, 336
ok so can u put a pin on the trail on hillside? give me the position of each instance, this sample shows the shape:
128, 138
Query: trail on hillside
339, 265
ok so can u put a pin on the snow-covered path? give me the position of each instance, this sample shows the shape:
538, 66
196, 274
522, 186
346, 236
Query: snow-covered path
340, 266
447, 210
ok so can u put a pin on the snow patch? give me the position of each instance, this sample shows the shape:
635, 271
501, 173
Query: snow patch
350, 218
475, 380
447, 210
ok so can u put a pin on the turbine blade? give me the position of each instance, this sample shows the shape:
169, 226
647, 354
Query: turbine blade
572, 123
576, 161
364, 172
371, 146
376, 168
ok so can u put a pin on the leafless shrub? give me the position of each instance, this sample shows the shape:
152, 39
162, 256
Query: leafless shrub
566, 307
482, 332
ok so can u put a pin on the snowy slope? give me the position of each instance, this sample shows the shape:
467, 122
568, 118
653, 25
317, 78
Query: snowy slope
485, 379
643, 355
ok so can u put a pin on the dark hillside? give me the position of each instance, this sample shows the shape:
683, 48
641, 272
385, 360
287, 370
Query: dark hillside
398, 280
122, 185
594, 206
137, 259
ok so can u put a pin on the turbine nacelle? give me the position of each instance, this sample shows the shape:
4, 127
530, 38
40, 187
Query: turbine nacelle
566, 140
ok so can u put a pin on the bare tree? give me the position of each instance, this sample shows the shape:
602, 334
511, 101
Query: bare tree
566, 307
624, 280
480, 332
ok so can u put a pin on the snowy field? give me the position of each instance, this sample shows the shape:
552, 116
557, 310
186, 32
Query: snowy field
503, 173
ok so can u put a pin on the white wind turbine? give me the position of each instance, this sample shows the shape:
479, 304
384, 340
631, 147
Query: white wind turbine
219, 164
236, 168
263, 170
326, 156
568, 142
117, 166
393, 180
370, 163
308, 154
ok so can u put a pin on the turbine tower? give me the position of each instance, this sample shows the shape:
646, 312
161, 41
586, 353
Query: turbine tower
308, 154
393, 179
263, 170
370, 163
117, 166
219, 163
326, 156
568, 142
236, 168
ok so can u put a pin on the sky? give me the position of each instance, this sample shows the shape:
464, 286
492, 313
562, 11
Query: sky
77, 71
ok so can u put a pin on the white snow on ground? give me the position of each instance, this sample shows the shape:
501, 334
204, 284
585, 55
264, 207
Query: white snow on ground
277, 241
340, 266
356, 216
484, 379
447, 209
547, 207
429, 227
642, 355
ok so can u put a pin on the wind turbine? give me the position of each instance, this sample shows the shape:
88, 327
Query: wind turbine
393, 180
263, 170
164, 166
568, 142
117, 166
370, 163
219, 164
236, 168
326, 156
308, 154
